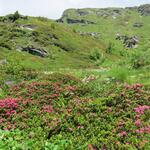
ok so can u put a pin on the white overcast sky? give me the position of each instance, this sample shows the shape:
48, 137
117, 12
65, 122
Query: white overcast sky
54, 8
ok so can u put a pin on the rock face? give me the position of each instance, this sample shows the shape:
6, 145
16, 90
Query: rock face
74, 21
144, 10
129, 42
36, 51
72, 16
110, 12
77, 15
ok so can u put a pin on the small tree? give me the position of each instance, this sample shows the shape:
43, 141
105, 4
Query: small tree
14, 17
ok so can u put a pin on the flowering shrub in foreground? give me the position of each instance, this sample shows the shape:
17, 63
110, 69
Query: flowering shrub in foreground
8, 109
52, 111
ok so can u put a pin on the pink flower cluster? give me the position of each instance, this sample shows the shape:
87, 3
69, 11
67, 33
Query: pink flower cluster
123, 133
7, 108
8, 103
48, 108
138, 122
144, 130
141, 109
135, 86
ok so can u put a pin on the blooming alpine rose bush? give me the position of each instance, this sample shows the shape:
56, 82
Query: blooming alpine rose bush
8, 108
52, 111
131, 108
40, 102
110, 122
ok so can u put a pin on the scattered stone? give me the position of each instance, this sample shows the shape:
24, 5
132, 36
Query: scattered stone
129, 42
3, 62
93, 34
82, 21
138, 24
36, 51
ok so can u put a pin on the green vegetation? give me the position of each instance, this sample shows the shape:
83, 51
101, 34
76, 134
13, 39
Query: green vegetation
82, 82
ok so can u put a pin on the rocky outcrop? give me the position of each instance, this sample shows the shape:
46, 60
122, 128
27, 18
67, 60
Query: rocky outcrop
144, 10
110, 12
75, 21
72, 16
138, 24
129, 42
36, 51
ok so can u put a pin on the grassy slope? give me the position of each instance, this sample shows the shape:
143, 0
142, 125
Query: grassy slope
77, 48
108, 27
57, 111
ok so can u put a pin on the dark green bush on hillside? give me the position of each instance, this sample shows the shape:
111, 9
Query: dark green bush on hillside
14, 17
110, 48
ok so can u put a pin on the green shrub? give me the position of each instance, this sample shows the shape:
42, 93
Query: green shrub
97, 56
110, 48
140, 59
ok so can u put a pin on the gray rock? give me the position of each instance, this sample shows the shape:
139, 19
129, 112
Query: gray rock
93, 34
3, 62
36, 51
82, 13
82, 21
138, 24
144, 10
28, 27
129, 42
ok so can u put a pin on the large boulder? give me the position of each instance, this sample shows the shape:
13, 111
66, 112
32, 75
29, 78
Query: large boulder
129, 42
144, 10
36, 51
138, 24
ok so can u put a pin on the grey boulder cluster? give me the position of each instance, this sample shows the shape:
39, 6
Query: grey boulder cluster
144, 10
36, 51
129, 42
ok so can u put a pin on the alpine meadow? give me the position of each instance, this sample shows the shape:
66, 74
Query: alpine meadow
80, 82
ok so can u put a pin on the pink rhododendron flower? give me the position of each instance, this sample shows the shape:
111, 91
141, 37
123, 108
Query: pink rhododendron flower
140, 110
48, 108
123, 133
138, 122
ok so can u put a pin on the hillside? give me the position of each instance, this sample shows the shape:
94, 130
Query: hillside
81, 82
125, 28
59, 45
